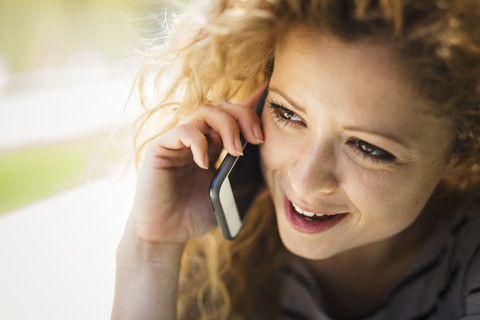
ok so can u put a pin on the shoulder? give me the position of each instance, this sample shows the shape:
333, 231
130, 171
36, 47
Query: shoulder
444, 281
300, 297
467, 256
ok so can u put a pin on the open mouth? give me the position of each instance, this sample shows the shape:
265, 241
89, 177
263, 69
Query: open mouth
312, 216
311, 222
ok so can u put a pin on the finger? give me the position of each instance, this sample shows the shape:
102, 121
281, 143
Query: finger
250, 124
247, 119
170, 145
215, 120
197, 142
215, 147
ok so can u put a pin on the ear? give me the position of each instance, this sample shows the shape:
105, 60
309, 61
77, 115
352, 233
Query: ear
454, 168
458, 174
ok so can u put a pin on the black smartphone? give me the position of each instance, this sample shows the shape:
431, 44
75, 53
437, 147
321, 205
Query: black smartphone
236, 185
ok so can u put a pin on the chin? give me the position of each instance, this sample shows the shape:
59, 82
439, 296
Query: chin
307, 247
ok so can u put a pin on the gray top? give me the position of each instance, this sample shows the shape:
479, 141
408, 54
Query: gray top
442, 283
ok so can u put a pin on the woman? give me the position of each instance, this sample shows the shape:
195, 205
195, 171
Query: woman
369, 146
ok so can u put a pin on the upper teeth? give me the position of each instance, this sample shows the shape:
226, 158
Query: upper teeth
307, 213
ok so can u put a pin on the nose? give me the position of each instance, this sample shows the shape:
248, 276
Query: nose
313, 172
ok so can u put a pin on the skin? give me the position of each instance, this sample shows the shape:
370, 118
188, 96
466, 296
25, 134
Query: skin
334, 95
348, 93
172, 206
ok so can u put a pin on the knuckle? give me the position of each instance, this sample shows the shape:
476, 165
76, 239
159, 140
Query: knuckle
184, 127
183, 130
230, 108
198, 138
209, 109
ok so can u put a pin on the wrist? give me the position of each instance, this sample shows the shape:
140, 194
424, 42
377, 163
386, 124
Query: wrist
132, 246
146, 278
154, 231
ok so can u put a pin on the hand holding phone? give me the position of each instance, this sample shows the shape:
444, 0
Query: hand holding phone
236, 185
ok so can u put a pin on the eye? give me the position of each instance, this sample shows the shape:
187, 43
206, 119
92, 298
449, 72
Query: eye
284, 115
287, 114
371, 152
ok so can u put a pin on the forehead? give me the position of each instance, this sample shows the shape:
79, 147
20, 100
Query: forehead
307, 49
364, 82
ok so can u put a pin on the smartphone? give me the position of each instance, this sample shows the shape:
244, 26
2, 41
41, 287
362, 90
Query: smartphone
236, 184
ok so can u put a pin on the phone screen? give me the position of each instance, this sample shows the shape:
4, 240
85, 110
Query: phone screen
234, 188
246, 179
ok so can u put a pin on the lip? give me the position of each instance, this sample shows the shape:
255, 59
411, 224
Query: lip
305, 225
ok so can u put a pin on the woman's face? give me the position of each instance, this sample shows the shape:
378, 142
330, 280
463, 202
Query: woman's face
348, 143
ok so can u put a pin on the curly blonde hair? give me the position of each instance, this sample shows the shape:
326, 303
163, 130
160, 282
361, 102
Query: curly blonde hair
225, 49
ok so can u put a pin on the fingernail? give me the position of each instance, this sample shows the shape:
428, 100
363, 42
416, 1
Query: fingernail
238, 146
205, 161
257, 132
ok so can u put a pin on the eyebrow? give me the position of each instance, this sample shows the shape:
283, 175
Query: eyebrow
286, 97
350, 128
384, 135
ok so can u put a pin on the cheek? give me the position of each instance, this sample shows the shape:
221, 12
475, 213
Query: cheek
392, 199
273, 152
366, 187
277, 152
272, 157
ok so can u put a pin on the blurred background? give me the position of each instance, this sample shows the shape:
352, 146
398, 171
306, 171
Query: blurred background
66, 184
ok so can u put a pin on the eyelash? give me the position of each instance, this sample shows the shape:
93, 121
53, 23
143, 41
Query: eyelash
277, 114
359, 146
